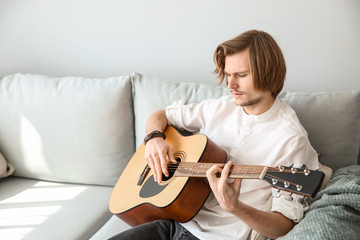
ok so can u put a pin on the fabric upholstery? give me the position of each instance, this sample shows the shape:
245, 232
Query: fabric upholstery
112, 227
82, 131
68, 129
152, 94
332, 121
33, 209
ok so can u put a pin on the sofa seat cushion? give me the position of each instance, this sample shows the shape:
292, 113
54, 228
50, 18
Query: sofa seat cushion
47, 210
67, 129
112, 227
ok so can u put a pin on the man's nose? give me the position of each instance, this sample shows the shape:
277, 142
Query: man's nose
231, 83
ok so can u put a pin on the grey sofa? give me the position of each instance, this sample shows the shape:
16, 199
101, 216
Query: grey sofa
69, 139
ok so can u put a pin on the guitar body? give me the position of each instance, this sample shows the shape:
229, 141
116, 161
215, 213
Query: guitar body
177, 198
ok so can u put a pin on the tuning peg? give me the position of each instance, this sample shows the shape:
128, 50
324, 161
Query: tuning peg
302, 200
286, 184
288, 197
298, 187
276, 193
293, 170
291, 165
306, 170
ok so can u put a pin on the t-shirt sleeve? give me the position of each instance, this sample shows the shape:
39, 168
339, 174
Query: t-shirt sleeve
291, 206
190, 117
298, 151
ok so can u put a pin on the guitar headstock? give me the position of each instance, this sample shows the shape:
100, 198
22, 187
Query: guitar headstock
297, 180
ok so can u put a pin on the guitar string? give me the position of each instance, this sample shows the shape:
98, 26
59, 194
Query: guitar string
174, 167
190, 166
275, 170
260, 169
196, 167
231, 171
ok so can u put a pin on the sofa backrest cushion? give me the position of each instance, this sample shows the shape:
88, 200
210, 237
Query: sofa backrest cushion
152, 94
68, 129
332, 120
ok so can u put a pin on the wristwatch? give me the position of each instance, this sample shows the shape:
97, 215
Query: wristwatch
154, 134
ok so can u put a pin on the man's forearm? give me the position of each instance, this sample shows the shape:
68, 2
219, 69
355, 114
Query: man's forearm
269, 224
157, 121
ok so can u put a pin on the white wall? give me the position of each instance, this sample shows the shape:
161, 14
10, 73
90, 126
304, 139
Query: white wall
175, 39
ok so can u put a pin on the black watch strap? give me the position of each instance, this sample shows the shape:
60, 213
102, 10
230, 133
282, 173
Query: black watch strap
154, 134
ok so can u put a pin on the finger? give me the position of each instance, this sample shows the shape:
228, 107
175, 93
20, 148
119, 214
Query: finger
212, 173
171, 156
150, 162
149, 156
225, 171
164, 166
157, 170
214, 169
153, 168
151, 165
237, 184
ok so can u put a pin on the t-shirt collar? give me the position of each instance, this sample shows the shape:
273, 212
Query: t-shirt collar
266, 115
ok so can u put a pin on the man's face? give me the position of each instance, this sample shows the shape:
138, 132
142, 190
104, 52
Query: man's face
240, 83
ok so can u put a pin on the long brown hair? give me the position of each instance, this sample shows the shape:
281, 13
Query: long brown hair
267, 63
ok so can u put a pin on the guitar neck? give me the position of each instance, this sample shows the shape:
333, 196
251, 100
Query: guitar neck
192, 169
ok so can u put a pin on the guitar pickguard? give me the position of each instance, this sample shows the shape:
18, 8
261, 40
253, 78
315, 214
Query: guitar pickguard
151, 188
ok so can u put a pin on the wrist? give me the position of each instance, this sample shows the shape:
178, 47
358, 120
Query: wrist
154, 134
235, 207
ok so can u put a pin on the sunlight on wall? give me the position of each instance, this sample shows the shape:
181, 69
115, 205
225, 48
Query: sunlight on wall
22, 212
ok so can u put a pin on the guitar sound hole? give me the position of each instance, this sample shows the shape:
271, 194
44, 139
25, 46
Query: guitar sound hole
171, 168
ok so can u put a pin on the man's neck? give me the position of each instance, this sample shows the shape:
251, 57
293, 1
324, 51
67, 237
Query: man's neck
264, 105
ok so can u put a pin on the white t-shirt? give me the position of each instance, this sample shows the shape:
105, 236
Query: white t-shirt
273, 138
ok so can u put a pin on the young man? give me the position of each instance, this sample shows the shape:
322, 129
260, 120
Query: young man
254, 127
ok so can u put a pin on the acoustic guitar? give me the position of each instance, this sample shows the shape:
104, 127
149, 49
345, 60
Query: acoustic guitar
137, 198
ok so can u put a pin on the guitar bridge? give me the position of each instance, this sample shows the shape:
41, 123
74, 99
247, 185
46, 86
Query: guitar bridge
143, 175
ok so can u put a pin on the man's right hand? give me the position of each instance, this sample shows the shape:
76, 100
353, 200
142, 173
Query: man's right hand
158, 154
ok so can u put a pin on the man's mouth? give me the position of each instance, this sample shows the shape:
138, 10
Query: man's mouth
236, 93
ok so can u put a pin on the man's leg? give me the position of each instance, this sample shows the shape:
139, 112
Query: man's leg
157, 230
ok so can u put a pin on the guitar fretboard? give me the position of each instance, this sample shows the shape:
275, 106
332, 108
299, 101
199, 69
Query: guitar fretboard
190, 169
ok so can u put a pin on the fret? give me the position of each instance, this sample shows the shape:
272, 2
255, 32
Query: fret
191, 169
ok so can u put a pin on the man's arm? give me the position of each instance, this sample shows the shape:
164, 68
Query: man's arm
156, 121
157, 151
269, 224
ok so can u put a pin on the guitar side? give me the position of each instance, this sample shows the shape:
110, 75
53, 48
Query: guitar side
178, 198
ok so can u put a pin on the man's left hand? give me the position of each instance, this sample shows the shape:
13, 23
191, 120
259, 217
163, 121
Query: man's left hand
227, 194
